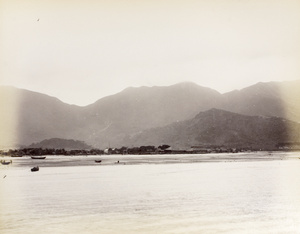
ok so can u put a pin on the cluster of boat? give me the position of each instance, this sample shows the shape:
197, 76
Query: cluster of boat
37, 157
36, 168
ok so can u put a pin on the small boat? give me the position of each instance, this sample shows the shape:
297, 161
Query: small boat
5, 163
98, 161
35, 169
36, 157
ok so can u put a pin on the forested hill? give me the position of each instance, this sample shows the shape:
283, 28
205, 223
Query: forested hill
56, 143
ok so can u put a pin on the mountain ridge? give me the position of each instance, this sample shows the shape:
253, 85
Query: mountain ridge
113, 119
223, 128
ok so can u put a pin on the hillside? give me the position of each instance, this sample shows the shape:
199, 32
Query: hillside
34, 116
223, 128
112, 118
57, 143
28, 117
281, 99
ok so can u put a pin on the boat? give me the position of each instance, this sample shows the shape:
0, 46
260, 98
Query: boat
98, 161
35, 169
5, 163
38, 157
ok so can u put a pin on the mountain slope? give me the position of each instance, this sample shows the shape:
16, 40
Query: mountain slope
104, 123
36, 116
28, 117
222, 128
57, 143
280, 99
135, 109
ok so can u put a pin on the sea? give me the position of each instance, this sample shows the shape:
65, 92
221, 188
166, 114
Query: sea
253, 192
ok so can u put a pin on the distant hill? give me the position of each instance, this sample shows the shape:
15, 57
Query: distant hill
223, 128
28, 117
281, 99
113, 118
56, 143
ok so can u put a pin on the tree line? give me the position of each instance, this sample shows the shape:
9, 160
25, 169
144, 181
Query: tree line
122, 150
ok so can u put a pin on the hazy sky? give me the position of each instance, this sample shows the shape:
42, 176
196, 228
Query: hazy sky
80, 51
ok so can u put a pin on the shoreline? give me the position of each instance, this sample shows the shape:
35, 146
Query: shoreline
119, 160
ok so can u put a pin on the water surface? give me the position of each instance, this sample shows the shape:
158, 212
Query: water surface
220, 193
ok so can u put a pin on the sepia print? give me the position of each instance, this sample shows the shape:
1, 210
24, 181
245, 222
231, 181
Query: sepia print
149, 116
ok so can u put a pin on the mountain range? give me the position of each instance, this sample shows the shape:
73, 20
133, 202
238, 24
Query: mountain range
180, 115
216, 128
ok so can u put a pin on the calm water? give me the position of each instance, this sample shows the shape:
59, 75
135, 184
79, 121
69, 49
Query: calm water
225, 193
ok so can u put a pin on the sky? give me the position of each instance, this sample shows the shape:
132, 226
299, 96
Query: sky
81, 51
